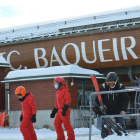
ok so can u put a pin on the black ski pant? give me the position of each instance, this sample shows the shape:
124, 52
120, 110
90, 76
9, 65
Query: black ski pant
104, 132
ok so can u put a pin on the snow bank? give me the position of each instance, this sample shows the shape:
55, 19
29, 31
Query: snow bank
50, 73
47, 134
115, 137
15, 134
84, 131
67, 69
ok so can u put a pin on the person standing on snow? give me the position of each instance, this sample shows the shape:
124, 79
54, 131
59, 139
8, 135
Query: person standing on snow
62, 108
28, 115
116, 103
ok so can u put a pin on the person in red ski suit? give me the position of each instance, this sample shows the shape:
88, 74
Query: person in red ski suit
28, 115
62, 108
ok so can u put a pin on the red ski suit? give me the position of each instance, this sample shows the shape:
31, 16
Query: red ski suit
26, 126
63, 97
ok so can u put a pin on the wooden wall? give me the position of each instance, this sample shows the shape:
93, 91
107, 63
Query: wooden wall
73, 91
27, 57
43, 91
2, 89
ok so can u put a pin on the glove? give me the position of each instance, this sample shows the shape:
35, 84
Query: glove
65, 108
33, 119
21, 118
54, 111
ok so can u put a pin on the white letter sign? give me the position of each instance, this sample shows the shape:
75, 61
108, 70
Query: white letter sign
63, 53
42, 57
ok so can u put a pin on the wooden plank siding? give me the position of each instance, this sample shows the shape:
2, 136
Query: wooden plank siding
27, 58
2, 89
43, 91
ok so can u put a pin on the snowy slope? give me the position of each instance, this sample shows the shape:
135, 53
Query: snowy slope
42, 134
46, 134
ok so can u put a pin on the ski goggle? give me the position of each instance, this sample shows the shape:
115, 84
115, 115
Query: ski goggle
19, 94
111, 83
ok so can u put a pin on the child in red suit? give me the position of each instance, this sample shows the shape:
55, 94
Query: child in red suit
28, 115
62, 108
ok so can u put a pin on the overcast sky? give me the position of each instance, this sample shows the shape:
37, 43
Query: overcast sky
20, 12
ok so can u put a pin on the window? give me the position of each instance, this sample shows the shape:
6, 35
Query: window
85, 88
89, 88
80, 92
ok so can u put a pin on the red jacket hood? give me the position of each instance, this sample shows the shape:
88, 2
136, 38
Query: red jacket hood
63, 87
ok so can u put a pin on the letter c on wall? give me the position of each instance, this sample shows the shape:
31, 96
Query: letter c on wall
8, 59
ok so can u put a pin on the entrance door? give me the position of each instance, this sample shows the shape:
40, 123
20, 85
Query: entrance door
85, 88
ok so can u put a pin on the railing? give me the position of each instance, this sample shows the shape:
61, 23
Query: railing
106, 92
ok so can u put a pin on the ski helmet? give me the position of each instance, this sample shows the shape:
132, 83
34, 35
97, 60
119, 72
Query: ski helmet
20, 90
111, 77
59, 80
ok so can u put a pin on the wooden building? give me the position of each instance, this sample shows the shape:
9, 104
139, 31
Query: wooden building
103, 42
40, 82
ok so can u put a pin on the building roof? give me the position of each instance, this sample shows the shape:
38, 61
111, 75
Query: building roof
67, 71
100, 22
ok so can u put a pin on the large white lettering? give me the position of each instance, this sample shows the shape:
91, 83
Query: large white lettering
84, 53
41, 57
8, 59
115, 49
124, 49
54, 52
63, 53
129, 49
100, 49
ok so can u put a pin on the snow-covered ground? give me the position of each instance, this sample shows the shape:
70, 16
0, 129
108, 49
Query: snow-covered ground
47, 134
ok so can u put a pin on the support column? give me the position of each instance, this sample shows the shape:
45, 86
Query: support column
3, 64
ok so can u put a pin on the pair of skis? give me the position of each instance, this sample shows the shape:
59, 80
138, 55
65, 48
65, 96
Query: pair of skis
110, 125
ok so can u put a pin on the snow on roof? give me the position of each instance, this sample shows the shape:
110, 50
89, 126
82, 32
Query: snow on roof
50, 73
100, 14
53, 28
3, 62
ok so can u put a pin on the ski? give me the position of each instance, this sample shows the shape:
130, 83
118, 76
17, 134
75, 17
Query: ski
112, 124
95, 83
116, 127
106, 126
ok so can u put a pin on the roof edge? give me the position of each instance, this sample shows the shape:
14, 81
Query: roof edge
49, 77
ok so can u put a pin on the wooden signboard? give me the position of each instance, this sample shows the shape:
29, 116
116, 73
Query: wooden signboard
111, 49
